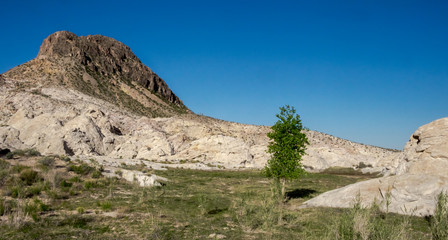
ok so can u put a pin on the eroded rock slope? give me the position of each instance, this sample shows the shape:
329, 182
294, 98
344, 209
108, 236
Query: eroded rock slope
421, 176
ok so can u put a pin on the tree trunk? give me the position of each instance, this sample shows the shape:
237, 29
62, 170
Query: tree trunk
283, 181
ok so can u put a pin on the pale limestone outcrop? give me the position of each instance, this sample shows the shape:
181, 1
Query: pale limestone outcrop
421, 176
63, 121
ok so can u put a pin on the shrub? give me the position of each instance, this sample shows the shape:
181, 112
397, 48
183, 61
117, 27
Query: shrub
15, 192
439, 222
96, 174
106, 206
29, 176
9, 155
33, 190
82, 169
2, 207
119, 173
4, 164
65, 184
18, 168
64, 158
80, 210
47, 161
90, 184
75, 179
26, 152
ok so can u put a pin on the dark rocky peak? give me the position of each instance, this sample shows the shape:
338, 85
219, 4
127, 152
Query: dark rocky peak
105, 57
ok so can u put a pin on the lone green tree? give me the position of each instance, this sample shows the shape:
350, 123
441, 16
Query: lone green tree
287, 146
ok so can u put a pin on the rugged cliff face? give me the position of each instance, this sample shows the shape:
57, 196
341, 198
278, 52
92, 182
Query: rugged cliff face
101, 67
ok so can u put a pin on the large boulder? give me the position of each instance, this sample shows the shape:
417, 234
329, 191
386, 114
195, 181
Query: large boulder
421, 176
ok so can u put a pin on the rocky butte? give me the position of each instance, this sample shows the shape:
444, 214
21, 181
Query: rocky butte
91, 96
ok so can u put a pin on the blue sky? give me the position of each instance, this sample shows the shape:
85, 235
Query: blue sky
367, 71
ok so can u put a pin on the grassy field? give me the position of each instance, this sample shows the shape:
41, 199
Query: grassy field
54, 198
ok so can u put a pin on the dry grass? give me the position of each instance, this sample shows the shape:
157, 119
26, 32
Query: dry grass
193, 205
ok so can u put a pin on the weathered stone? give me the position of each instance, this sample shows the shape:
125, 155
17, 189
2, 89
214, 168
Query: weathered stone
422, 175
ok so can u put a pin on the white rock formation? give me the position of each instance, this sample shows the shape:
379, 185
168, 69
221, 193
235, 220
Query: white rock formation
421, 176
63, 121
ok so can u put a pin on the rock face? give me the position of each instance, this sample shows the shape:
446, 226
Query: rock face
92, 96
61, 121
102, 67
421, 176
427, 150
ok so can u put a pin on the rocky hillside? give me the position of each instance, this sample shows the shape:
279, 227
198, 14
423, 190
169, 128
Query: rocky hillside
102, 67
91, 96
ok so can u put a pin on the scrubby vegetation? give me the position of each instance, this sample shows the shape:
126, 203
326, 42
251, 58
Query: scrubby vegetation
61, 199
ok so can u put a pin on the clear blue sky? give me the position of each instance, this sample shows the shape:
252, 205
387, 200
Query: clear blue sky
367, 71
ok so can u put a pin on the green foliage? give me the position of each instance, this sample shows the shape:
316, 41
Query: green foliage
287, 146
105, 206
29, 176
80, 210
4, 164
47, 161
34, 208
64, 158
26, 152
18, 168
96, 174
82, 169
65, 184
4, 171
439, 222
369, 223
9, 155
90, 184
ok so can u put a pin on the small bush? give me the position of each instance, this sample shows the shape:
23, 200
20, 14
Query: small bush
9, 155
15, 192
65, 184
2, 207
75, 179
33, 190
96, 174
4, 165
106, 206
82, 169
18, 168
90, 184
439, 222
26, 152
4, 174
80, 210
119, 173
75, 221
64, 158
47, 161
29, 176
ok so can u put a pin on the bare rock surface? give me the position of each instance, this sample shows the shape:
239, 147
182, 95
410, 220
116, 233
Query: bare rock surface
65, 121
421, 176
